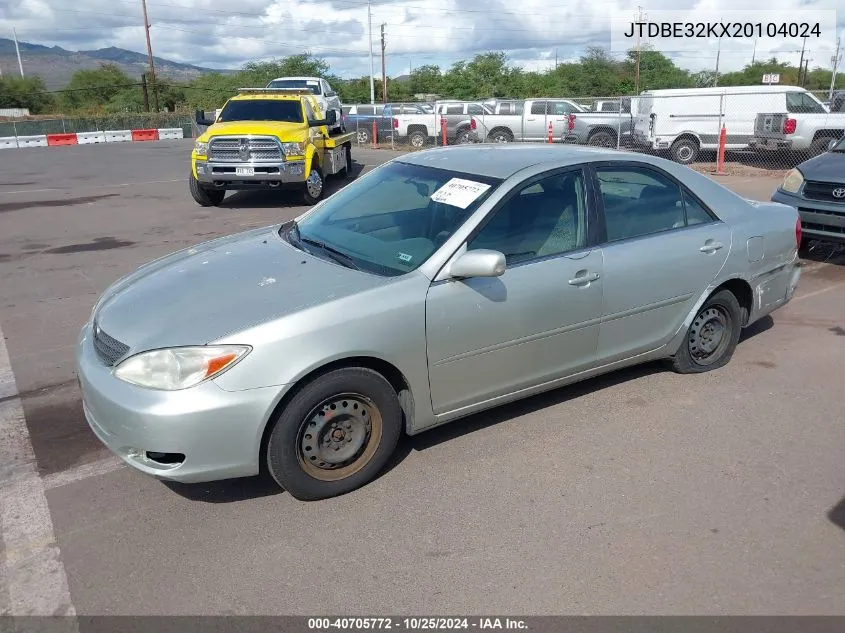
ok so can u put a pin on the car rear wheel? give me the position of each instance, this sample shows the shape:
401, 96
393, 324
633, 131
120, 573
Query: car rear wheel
602, 139
712, 336
684, 151
205, 197
417, 140
314, 186
335, 435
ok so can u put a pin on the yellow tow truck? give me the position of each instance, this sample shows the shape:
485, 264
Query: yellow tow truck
268, 138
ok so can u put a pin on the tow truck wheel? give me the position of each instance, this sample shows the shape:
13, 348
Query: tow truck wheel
314, 186
205, 197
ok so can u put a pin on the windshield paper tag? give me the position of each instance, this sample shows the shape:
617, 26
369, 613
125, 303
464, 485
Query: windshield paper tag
459, 192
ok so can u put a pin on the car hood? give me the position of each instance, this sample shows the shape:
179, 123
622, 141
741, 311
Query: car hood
282, 129
201, 294
827, 167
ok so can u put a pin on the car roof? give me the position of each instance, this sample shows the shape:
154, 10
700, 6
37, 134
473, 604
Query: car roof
504, 160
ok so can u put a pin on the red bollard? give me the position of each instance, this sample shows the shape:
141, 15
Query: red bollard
375, 134
443, 131
551, 133
720, 161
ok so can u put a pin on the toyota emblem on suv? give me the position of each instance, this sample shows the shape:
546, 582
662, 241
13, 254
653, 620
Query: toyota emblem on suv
243, 150
839, 192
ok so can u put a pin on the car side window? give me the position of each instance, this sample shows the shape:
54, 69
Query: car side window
638, 202
475, 108
547, 217
455, 109
800, 102
695, 213
558, 108
538, 107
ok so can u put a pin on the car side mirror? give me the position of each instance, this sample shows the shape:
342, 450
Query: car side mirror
199, 115
331, 93
479, 263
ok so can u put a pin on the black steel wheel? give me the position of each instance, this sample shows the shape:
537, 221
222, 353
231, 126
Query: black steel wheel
335, 435
712, 336
205, 197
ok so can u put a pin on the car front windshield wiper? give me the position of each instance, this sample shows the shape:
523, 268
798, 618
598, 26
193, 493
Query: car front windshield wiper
339, 256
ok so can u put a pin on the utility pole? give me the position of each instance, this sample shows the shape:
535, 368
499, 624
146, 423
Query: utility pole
383, 72
372, 69
18, 51
555, 58
144, 92
637, 79
150, 55
718, 56
754, 52
835, 60
801, 62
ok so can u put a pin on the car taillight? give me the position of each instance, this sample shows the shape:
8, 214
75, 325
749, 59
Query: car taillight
798, 232
395, 124
571, 122
789, 126
473, 124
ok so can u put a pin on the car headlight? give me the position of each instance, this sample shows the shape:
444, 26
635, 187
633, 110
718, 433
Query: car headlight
179, 367
293, 149
793, 181
201, 148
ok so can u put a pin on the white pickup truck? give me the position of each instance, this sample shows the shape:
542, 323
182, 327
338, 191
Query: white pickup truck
806, 133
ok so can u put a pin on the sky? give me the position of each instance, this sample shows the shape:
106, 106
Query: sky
533, 33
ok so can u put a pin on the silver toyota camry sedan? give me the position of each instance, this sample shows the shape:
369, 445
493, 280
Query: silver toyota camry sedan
440, 284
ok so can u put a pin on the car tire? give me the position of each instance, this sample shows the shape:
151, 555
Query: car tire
335, 435
684, 151
721, 318
363, 136
500, 136
819, 146
417, 140
602, 139
205, 197
315, 186
462, 137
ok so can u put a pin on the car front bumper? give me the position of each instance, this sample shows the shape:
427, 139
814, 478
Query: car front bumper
823, 221
198, 434
224, 175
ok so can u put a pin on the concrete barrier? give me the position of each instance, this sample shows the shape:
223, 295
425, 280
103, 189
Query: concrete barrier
118, 136
8, 142
61, 139
170, 133
32, 141
86, 138
144, 135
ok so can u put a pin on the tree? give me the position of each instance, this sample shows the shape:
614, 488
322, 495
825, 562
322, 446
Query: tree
28, 93
93, 89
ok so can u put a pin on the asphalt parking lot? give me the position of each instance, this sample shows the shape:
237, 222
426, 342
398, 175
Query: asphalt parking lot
643, 492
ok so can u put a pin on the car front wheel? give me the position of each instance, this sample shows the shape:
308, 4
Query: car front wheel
712, 336
335, 435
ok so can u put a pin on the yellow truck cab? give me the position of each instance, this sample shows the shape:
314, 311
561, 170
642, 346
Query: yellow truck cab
266, 138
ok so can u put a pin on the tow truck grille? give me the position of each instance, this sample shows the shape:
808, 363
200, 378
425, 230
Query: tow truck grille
229, 149
108, 349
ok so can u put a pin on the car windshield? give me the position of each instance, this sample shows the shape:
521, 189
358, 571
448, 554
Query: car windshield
302, 84
392, 220
262, 110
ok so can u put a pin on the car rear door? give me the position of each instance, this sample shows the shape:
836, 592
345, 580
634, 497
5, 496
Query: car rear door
662, 247
488, 337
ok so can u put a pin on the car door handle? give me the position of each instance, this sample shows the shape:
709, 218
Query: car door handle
582, 280
711, 247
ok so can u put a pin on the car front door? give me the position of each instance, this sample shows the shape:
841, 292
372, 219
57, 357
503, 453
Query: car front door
662, 249
535, 122
539, 321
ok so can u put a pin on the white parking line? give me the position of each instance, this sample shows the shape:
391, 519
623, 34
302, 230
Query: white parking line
85, 471
32, 576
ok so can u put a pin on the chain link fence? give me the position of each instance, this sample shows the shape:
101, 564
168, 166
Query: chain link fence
69, 125
725, 130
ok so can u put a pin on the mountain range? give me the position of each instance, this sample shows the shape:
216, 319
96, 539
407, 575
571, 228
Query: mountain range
55, 65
